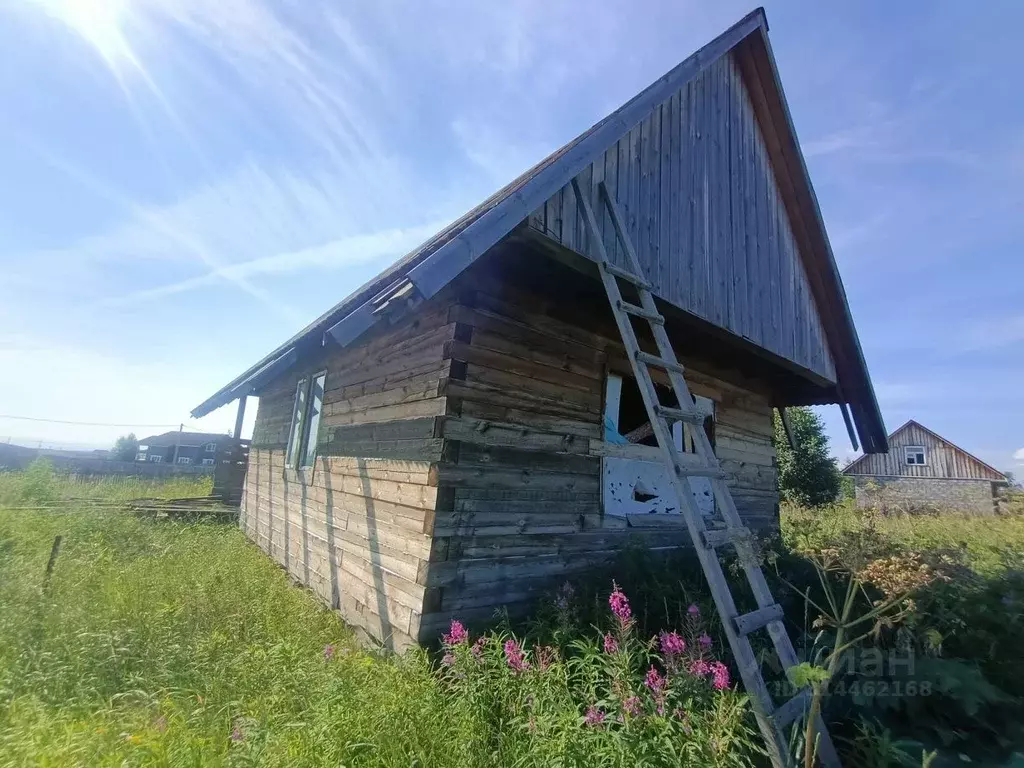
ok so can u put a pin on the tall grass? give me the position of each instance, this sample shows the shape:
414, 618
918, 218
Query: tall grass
169, 643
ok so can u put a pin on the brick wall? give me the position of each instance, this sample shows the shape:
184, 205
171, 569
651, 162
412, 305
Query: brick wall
911, 493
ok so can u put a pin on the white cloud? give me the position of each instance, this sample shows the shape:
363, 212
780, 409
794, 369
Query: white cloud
1018, 456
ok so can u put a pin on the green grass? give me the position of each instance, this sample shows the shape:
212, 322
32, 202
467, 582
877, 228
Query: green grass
159, 642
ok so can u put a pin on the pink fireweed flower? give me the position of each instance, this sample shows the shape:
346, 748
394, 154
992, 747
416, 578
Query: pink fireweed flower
693, 610
611, 645
719, 675
477, 649
514, 656
449, 659
236, 734
328, 652
594, 716
631, 706
704, 640
700, 668
619, 604
654, 680
456, 635
672, 643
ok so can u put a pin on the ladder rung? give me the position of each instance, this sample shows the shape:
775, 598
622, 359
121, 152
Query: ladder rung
755, 620
792, 709
633, 309
713, 472
625, 274
660, 362
675, 414
723, 536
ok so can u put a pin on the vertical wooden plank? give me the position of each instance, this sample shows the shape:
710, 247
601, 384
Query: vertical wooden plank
675, 205
621, 190
664, 197
552, 216
684, 273
633, 222
750, 210
570, 219
586, 182
643, 223
611, 180
737, 174
775, 308
654, 265
700, 182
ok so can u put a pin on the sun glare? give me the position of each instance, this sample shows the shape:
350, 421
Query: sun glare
99, 22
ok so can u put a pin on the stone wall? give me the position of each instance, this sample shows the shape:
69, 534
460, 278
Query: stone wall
911, 493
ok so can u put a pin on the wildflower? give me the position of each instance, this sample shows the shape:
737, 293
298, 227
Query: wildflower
631, 706
477, 649
704, 640
328, 652
672, 643
620, 605
611, 645
236, 734
719, 675
564, 596
594, 716
514, 656
654, 680
449, 659
532, 727
693, 610
700, 668
456, 635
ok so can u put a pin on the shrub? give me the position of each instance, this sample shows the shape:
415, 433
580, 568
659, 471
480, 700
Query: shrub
807, 474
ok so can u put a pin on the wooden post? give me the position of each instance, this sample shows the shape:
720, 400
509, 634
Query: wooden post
177, 443
239, 416
784, 417
54, 551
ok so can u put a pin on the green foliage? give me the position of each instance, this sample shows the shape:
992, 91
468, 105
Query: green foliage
40, 485
807, 474
125, 448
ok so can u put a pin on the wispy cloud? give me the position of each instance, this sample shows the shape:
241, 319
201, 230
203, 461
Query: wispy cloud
992, 333
1018, 456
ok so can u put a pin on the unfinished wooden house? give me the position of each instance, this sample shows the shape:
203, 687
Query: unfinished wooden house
467, 429
923, 470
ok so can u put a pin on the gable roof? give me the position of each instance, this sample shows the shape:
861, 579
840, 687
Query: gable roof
186, 438
848, 469
427, 269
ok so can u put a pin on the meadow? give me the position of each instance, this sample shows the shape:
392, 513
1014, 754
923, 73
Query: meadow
159, 642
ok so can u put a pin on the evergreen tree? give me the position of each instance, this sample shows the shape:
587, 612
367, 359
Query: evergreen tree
807, 474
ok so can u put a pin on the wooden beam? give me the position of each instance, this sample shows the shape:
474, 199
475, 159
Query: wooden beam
788, 428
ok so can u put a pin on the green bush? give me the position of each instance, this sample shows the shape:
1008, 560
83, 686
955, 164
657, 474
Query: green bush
808, 475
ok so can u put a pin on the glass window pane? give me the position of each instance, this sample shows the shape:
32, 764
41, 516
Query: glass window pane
298, 416
316, 405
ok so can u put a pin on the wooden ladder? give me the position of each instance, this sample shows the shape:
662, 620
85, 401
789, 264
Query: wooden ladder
773, 721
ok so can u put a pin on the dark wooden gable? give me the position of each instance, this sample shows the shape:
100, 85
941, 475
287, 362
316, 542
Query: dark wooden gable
703, 208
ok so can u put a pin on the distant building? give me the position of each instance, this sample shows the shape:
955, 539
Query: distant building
923, 469
200, 449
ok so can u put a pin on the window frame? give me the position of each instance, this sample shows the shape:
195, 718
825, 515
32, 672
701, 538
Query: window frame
302, 440
183, 460
914, 450
210, 448
208, 462
141, 456
156, 458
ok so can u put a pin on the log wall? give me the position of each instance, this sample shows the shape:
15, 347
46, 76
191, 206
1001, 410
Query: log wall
357, 527
519, 487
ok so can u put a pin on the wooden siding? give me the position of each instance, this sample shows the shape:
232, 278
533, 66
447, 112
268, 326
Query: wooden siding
519, 487
357, 527
704, 211
944, 460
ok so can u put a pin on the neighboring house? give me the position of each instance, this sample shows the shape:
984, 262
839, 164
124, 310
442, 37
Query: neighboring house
924, 470
465, 430
201, 449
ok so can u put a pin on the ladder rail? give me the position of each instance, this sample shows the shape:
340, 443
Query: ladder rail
746, 660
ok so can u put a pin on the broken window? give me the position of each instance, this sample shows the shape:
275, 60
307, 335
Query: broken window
625, 416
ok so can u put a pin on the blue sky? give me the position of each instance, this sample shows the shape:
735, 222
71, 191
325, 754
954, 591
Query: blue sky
187, 183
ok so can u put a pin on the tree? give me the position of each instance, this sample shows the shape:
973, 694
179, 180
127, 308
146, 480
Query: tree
807, 474
125, 448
